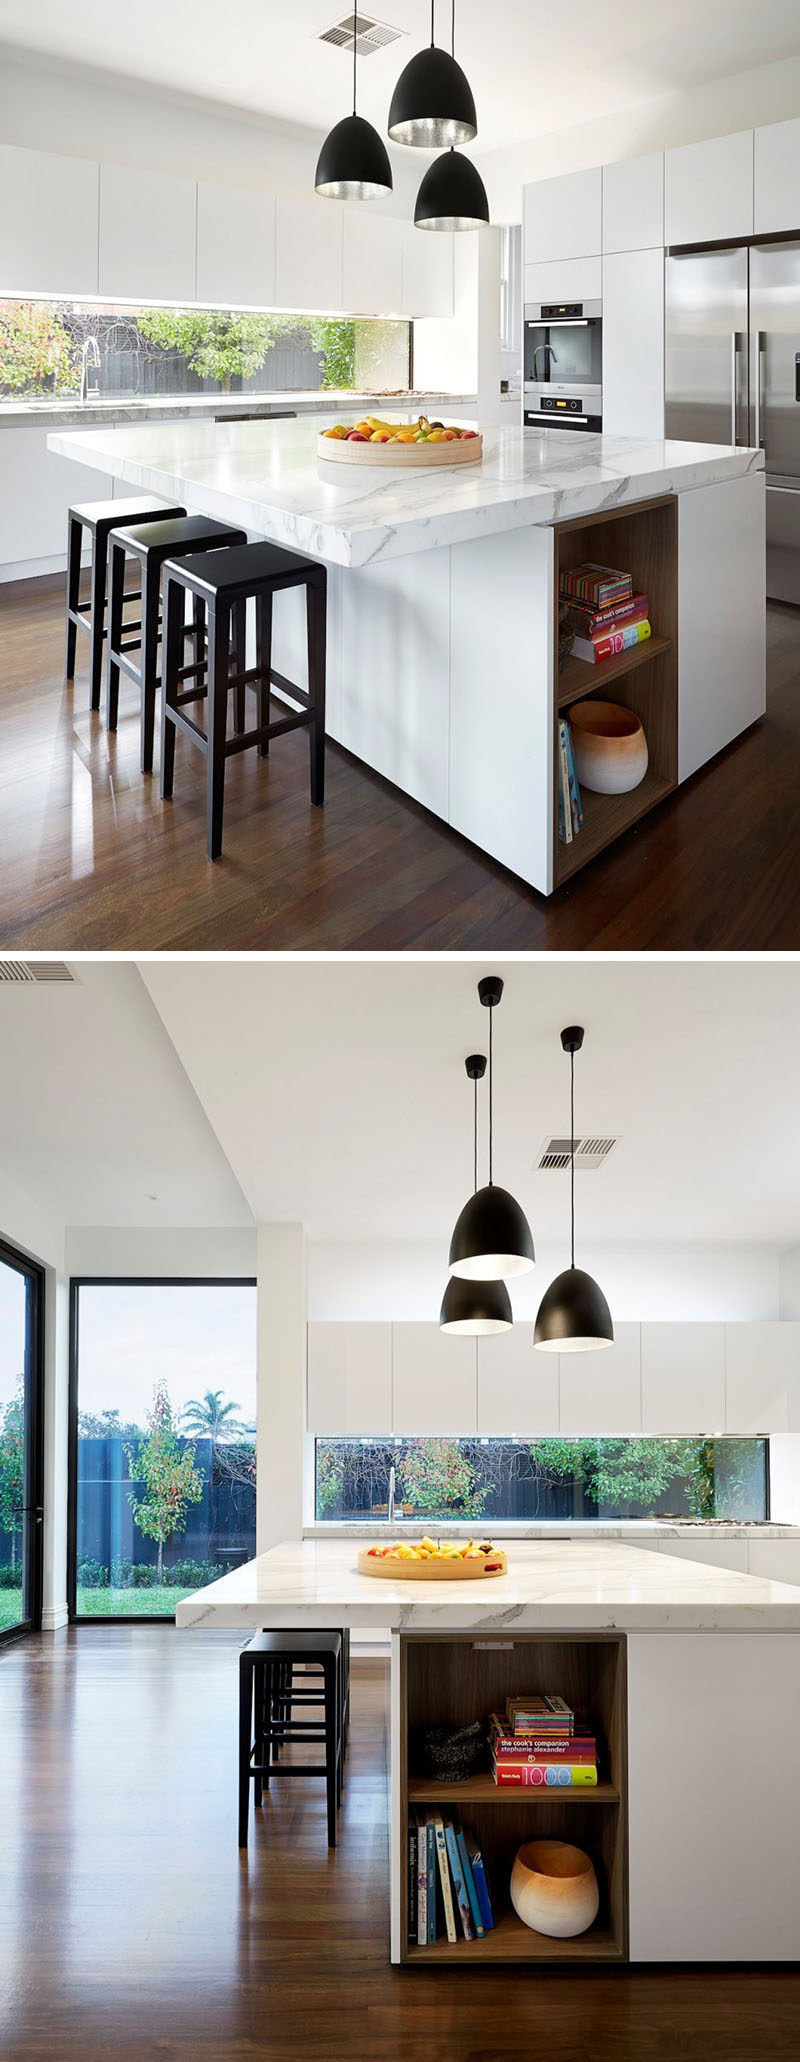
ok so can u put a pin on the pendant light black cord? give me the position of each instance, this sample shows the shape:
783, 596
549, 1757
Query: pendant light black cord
572, 1148
355, 52
433, 38
475, 1139
491, 1095
453, 31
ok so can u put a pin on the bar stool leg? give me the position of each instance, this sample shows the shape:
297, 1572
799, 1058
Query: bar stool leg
245, 1743
331, 1738
98, 620
198, 629
218, 662
74, 540
239, 616
315, 613
117, 596
259, 1673
172, 649
151, 587
264, 663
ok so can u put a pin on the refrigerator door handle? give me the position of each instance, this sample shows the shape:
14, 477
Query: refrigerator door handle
760, 346
734, 349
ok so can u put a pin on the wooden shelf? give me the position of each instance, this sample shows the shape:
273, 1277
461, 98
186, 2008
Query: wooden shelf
510, 1941
482, 1789
580, 678
605, 817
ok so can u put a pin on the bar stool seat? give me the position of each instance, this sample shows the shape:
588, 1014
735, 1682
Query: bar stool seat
100, 518
223, 583
153, 543
266, 1675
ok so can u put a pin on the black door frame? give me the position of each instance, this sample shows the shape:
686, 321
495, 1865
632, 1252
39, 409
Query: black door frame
33, 1528
119, 1281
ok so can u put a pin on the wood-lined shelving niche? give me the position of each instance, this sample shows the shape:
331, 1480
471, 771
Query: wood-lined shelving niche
643, 541
456, 1678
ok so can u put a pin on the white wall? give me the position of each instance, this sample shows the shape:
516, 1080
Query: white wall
711, 1282
124, 1251
24, 1225
771, 93
789, 1283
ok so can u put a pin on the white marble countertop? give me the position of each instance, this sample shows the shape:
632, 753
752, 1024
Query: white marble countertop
570, 1584
555, 1528
171, 407
268, 478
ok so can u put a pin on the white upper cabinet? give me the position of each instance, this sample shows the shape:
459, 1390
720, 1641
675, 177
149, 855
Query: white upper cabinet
601, 1392
148, 235
633, 203
235, 246
777, 178
372, 262
633, 343
563, 217
517, 1388
427, 287
762, 1378
709, 189
308, 253
683, 1379
350, 1379
48, 223
434, 1382
567, 279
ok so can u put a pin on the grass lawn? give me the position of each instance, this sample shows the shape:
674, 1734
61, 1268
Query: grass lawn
10, 1608
128, 1603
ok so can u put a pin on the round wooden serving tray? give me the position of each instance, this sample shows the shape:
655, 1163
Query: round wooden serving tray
392, 1568
337, 451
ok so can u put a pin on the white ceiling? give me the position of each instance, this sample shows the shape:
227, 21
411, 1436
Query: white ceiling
97, 1120
531, 74
337, 1091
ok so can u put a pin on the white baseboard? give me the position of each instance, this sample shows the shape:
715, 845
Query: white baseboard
36, 568
54, 1617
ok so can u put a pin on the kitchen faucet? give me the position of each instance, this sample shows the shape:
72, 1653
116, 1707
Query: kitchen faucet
390, 1511
90, 354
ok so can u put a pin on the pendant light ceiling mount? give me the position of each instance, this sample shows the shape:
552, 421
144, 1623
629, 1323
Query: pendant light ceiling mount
469, 1308
492, 1238
353, 163
573, 1316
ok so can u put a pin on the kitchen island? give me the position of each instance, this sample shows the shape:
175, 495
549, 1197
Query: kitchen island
442, 596
692, 1676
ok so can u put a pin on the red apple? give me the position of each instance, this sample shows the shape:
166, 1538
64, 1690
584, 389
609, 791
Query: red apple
355, 437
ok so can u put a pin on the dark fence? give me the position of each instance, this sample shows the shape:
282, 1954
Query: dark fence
285, 368
220, 1527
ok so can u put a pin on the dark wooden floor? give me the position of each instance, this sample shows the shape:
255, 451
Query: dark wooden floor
130, 1927
90, 859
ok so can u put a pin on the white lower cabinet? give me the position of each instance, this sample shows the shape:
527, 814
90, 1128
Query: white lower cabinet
777, 1559
762, 1378
683, 1379
401, 605
714, 1812
148, 235
36, 490
715, 1553
633, 343
517, 1387
349, 1379
721, 670
601, 1392
435, 1382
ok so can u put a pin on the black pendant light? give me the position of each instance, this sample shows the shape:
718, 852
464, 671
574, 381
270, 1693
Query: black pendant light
573, 1315
492, 1237
475, 1308
452, 194
353, 162
432, 102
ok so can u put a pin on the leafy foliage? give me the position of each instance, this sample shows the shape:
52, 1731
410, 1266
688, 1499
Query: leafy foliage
209, 1417
12, 1468
107, 1425
36, 353
438, 1479
336, 341
171, 1480
216, 344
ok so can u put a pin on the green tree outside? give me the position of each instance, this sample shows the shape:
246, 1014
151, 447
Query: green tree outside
36, 353
12, 1468
216, 344
171, 1480
437, 1477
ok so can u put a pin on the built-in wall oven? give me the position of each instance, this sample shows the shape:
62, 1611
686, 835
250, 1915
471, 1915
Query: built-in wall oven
563, 365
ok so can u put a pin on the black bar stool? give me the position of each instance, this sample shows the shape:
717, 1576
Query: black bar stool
100, 518
267, 1674
224, 581
152, 544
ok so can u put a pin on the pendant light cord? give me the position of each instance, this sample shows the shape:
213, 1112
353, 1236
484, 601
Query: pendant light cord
491, 1095
355, 53
453, 31
433, 37
572, 1148
475, 1139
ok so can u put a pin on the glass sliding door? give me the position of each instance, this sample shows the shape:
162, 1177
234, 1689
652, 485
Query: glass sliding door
21, 1452
163, 1456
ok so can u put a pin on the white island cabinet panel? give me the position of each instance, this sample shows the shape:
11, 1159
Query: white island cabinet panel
721, 669
148, 235
517, 1388
709, 189
714, 1814
372, 263
235, 246
48, 223
683, 1379
427, 273
402, 608
569, 279
762, 1378
777, 178
350, 1379
308, 253
633, 343
434, 1382
36, 490
563, 216
633, 203
601, 1392
487, 803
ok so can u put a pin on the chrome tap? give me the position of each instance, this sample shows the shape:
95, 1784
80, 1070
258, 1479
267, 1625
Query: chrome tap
90, 355
550, 354
390, 1512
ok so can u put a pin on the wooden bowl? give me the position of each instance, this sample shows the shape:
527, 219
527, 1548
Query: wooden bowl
609, 747
554, 1889
391, 1568
402, 457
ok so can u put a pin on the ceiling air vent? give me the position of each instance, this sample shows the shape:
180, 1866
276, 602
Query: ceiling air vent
368, 35
590, 1153
42, 970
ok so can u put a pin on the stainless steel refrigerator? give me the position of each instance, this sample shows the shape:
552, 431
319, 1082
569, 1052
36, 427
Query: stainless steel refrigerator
733, 374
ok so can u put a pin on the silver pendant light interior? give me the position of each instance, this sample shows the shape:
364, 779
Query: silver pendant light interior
470, 1308
573, 1316
492, 1238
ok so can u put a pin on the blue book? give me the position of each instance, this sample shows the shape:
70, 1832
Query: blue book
459, 1886
479, 1879
576, 804
431, 1830
477, 1915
